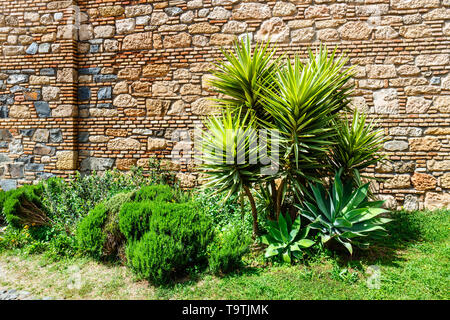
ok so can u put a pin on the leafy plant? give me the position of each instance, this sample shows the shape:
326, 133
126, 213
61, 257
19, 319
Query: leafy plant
225, 213
286, 239
2, 201
155, 193
13, 238
303, 106
357, 145
99, 233
243, 73
226, 144
345, 214
226, 251
134, 218
68, 201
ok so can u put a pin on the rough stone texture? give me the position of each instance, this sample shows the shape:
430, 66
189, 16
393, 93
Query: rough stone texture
66, 160
435, 201
417, 105
156, 144
355, 30
138, 41
423, 181
444, 181
396, 145
273, 30
124, 144
411, 203
138, 70
385, 101
398, 182
425, 144
251, 10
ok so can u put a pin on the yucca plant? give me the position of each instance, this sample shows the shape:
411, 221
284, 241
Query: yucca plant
299, 101
357, 146
229, 153
242, 74
303, 103
345, 214
286, 239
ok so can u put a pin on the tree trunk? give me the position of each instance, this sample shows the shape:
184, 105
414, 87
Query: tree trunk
273, 186
254, 212
279, 198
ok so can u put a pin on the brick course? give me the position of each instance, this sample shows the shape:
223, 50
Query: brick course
113, 86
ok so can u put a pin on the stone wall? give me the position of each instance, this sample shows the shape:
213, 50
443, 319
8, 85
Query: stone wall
92, 85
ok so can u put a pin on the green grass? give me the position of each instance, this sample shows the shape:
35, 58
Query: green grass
414, 264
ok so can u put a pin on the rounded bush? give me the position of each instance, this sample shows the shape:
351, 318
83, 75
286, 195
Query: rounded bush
176, 240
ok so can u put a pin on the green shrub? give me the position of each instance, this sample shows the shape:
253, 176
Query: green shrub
62, 245
114, 237
225, 213
226, 251
70, 200
14, 238
23, 206
156, 193
175, 242
98, 233
89, 233
134, 218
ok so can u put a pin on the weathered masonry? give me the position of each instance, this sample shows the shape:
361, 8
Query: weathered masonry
91, 85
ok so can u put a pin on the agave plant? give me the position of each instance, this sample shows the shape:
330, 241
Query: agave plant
357, 146
345, 214
286, 239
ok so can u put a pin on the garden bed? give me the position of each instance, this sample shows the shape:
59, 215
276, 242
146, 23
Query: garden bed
414, 264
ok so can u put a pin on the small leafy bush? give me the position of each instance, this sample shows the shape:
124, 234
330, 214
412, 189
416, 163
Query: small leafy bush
155, 193
62, 245
23, 206
286, 239
226, 251
114, 237
70, 200
345, 214
14, 238
225, 212
175, 242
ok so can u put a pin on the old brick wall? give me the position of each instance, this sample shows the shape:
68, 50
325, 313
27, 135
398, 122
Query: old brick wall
92, 85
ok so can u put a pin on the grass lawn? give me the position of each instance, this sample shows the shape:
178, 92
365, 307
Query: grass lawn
414, 264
